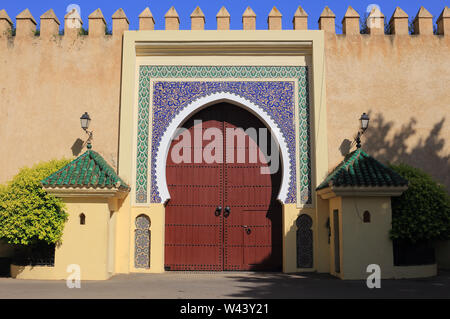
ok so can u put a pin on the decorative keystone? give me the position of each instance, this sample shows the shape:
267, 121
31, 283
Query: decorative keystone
120, 22
172, 19
49, 24
249, 19
197, 19
326, 20
146, 21
350, 22
423, 22
72, 24
25, 24
375, 21
399, 22
5, 23
274, 19
443, 22
223, 19
97, 24
300, 20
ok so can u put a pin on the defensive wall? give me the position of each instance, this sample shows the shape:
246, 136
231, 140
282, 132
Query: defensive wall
397, 71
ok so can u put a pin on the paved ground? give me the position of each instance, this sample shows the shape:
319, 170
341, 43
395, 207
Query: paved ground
199, 285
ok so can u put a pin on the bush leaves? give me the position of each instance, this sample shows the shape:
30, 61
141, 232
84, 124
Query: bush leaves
421, 213
28, 214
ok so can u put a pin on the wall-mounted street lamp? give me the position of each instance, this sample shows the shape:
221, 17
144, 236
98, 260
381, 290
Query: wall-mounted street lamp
364, 125
85, 120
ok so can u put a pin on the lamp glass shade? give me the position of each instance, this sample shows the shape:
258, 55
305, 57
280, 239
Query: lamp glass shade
85, 120
364, 121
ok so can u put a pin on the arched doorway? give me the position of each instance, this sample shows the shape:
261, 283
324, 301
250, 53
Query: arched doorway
223, 212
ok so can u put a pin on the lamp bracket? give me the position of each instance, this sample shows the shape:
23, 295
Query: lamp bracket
88, 143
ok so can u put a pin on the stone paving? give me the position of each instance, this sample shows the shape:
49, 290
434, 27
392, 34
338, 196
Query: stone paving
207, 285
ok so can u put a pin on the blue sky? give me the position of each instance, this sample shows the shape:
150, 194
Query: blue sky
210, 8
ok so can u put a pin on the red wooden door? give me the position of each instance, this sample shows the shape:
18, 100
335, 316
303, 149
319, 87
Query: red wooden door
252, 230
246, 235
193, 232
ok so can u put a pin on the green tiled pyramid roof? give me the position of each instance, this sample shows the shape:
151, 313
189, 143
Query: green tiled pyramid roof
89, 170
361, 170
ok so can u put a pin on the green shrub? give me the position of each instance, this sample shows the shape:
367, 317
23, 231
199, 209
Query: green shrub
422, 213
28, 214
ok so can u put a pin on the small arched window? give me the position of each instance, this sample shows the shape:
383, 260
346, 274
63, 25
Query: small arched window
366, 217
82, 219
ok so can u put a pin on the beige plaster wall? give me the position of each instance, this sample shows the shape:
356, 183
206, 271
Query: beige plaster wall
366, 243
321, 257
156, 213
400, 80
403, 82
290, 215
86, 245
46, 85
421, 271
83, 245
123, 229
125, 241
335, 203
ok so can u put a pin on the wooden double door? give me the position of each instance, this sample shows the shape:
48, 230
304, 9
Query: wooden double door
222, 213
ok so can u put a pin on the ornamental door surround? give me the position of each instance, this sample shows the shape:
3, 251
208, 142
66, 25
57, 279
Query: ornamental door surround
210, 67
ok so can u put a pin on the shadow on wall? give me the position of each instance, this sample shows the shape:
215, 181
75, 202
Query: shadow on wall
77, 147
389, 146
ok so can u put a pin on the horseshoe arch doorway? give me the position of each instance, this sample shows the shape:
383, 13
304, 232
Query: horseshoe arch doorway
223, 214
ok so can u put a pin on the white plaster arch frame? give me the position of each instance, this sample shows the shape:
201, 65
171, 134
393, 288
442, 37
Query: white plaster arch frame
203, 102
